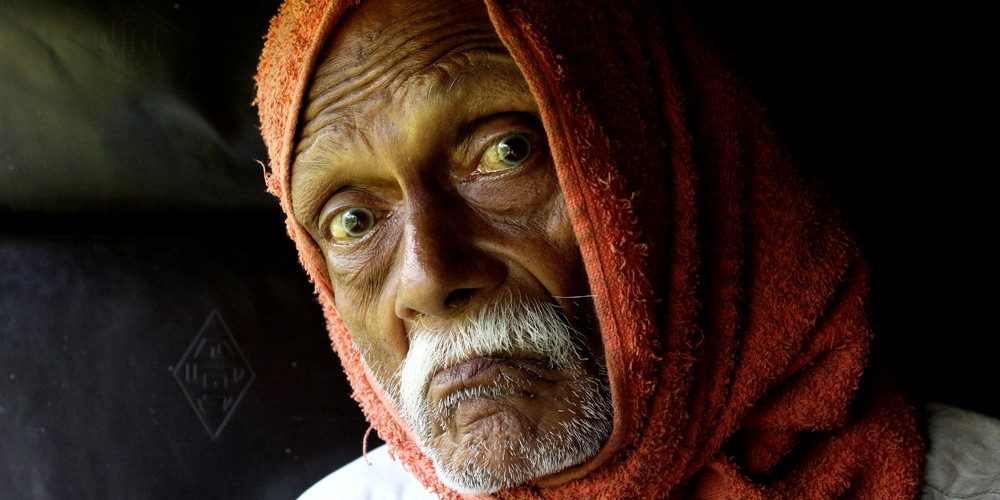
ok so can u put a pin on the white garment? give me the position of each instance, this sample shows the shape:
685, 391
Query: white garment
963, 463
384, 479
963, 455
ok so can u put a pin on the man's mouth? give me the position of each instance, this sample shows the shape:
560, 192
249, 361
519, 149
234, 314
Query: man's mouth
458, 374
484, 371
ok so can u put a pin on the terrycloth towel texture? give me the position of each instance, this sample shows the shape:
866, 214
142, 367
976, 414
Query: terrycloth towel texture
731, 302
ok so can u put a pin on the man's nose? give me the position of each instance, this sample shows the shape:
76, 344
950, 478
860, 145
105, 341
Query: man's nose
443, 267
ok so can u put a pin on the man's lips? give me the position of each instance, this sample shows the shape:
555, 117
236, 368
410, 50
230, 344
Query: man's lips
463, 371
475, 372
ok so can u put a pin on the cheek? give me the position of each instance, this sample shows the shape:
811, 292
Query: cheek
564, 276
560, 232
564, 265
376, 332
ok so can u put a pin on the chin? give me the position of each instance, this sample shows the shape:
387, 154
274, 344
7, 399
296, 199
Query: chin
504, 442
505, 397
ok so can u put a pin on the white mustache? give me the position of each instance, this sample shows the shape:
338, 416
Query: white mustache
507, 326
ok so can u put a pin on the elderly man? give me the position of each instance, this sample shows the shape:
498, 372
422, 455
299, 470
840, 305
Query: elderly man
561, 255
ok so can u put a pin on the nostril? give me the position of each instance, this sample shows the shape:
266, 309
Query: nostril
459, 297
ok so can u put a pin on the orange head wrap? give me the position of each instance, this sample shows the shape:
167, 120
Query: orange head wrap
731, 302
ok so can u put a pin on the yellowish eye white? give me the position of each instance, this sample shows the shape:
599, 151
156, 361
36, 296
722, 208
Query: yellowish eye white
507, 153
352, 223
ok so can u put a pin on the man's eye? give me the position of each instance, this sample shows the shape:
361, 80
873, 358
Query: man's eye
351, 224
505, 154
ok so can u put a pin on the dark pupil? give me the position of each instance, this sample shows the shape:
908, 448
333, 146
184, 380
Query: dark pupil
357, 221
513, 149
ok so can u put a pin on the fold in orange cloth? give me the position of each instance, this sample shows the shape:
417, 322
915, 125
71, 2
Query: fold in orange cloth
731, 302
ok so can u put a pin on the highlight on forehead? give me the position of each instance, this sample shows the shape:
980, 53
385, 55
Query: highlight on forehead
460, 76
381, 45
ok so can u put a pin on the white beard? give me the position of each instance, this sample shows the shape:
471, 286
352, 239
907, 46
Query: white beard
504, 327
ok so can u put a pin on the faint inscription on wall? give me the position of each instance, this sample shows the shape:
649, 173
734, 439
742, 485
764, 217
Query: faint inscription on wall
214, 374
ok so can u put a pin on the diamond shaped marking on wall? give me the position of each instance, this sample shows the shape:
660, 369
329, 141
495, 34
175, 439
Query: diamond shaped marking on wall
214, 374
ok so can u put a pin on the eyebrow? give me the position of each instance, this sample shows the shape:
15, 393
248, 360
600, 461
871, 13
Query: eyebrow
327, 146
443, 87
310, 178
442, 76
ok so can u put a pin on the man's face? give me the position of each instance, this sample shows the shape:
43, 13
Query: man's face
423, 174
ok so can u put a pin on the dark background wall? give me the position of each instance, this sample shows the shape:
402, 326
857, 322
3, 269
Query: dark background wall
887, 105
100, 396
134, 225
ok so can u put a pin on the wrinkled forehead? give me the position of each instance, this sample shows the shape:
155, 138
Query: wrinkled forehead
382, 44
